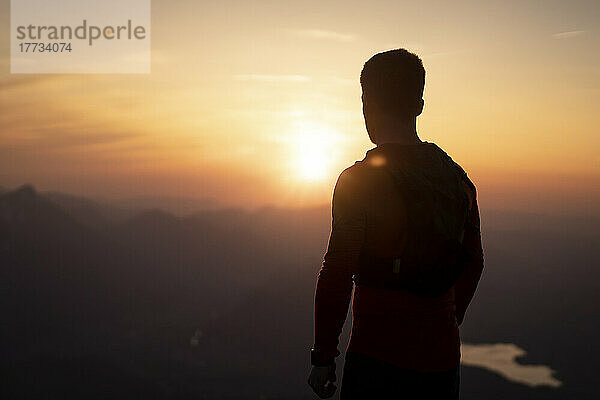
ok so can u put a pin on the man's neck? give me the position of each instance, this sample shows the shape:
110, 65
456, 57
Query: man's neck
401, 132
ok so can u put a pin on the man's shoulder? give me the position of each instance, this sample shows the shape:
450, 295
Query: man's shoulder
355, 179
357, 172
459, 169
353, 171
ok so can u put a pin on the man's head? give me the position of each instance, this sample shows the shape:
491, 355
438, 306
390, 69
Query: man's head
392, 88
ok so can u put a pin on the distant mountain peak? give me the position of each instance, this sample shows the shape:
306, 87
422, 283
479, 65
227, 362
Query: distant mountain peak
25, 203
25, 191
25, 194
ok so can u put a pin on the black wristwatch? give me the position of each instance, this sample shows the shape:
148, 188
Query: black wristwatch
319, 362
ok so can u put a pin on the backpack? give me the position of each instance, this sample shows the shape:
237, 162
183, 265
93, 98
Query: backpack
437, 207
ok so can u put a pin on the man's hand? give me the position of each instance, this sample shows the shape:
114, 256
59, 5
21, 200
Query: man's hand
321, 381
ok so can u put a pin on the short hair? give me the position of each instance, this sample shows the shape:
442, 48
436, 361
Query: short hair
394, 80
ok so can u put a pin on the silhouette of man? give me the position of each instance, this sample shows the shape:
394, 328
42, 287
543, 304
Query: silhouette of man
411, 288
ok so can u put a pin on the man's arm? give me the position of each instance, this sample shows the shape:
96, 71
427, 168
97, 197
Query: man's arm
464, 288
334, 283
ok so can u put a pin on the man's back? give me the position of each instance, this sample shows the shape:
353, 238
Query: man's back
370, 217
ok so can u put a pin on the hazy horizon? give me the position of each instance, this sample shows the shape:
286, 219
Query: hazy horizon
187, 206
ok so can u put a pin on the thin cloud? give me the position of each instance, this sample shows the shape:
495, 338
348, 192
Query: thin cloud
567, 35
343, 81
325, 35
271, 78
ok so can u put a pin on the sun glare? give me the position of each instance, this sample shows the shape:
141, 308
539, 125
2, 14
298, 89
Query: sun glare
312, 155
312, 166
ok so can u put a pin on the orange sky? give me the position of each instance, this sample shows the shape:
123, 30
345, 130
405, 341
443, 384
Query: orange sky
243, 95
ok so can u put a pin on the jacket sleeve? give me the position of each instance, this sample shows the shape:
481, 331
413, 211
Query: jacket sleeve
334, 282
464, 288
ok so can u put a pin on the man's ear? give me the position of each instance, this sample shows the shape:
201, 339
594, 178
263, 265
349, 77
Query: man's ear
420, 106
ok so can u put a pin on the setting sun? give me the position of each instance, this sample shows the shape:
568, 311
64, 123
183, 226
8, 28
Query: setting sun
312, 165
311, 148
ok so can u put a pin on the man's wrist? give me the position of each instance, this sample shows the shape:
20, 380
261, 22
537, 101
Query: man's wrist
318, 359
